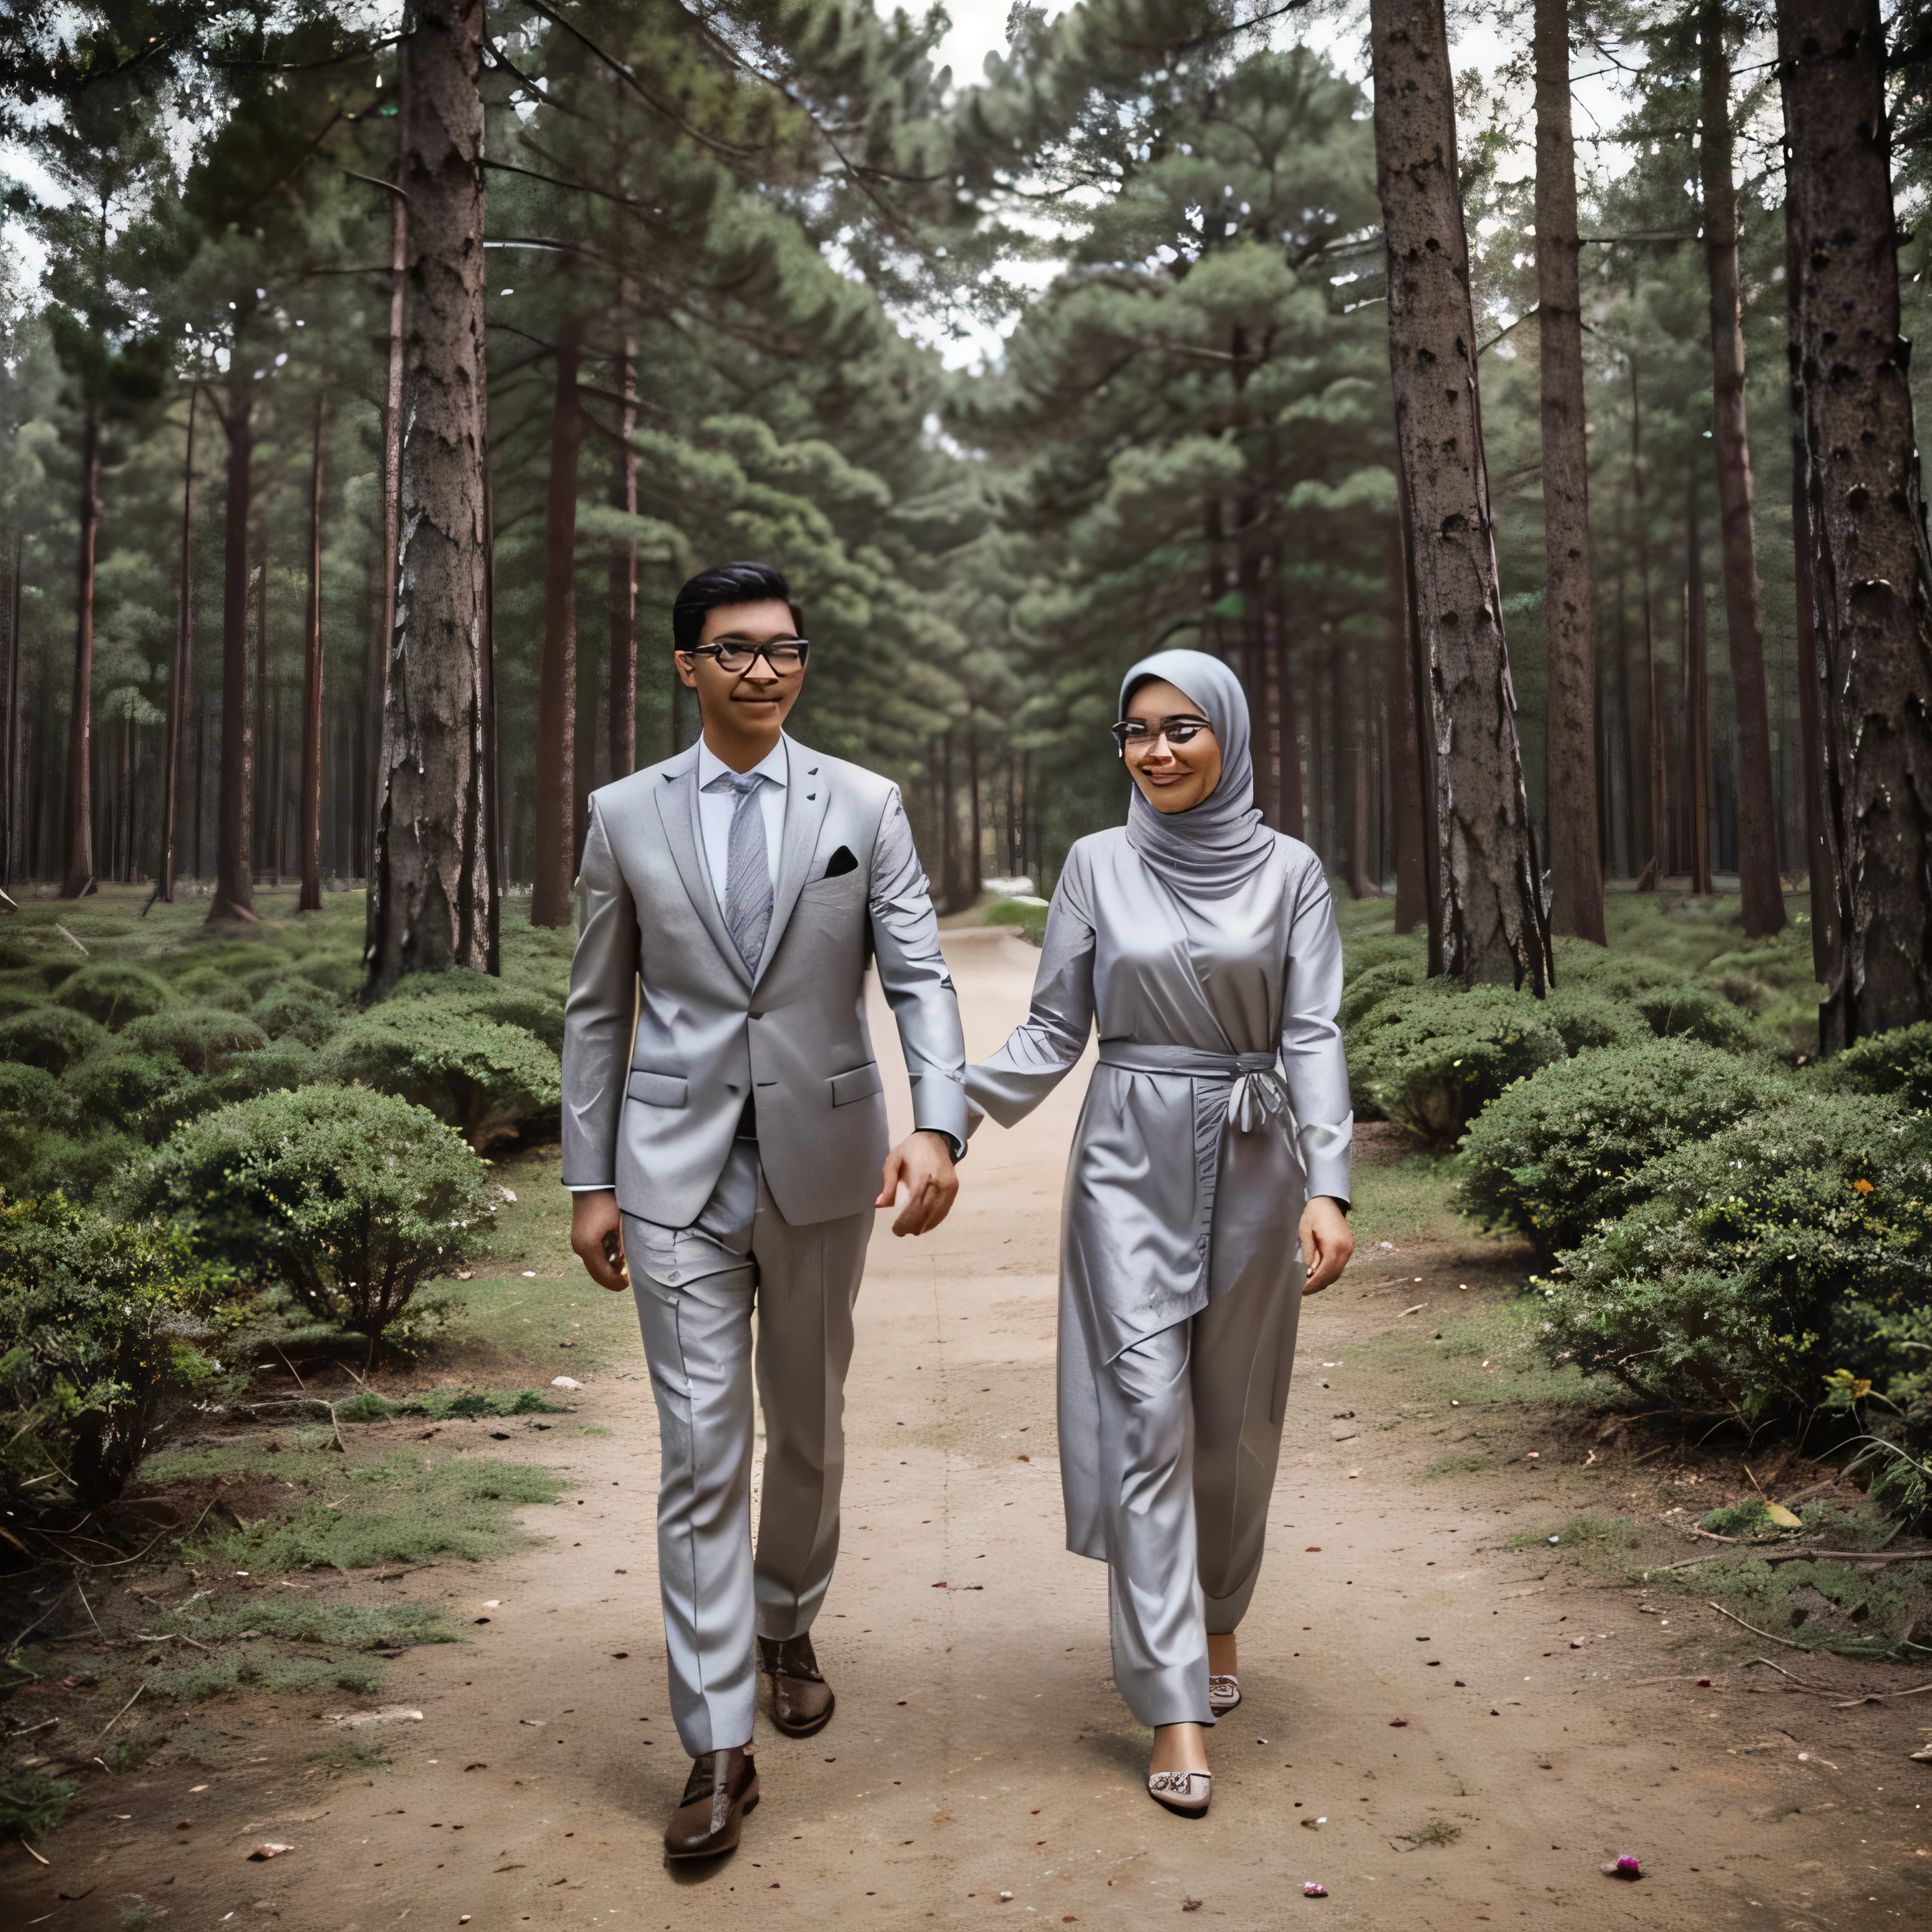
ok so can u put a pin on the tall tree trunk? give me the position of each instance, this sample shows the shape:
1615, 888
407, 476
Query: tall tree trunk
1761, 889
1653, 873
1362, 884
13, 847
234, 804
1870, 569
311, 752
1288, 722
623, 703
1570, 750
1697, 679
432, 879
77, 878
1494, 925
1405, 776
183, 671
556, 685
375, 679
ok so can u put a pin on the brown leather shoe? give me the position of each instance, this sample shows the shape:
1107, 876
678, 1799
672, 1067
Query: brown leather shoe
802, 1701
723, 1786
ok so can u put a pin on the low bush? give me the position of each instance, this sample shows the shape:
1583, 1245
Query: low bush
20, 999
1898, 1063
202, 1038
1367, 989
84, 1166
113, 993
339, 970
490, 1082
478, 996
105, 1330
120, 1089
31, 1101
1789, 1251
352, 1199
297, 1010
50, 1037
1561, 1152
1693, 1013
1434, 1058
212, 986
1584, 1019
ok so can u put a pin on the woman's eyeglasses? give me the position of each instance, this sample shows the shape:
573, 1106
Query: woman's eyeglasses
785, 655
1131, 734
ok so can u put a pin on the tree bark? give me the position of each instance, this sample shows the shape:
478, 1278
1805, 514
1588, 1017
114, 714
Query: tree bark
311, 752
1697, 678
77, 878
1869, 566
234, 807
431, 879
557, 685
622, 706
1405, 773
1494, 925
377, 679
184, 670
13, 847
1570, 750
1762, 891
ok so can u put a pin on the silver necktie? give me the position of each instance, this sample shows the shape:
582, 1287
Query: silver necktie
748, 871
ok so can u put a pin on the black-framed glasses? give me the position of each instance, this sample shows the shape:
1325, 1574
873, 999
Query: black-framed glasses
1181, 730
784, 655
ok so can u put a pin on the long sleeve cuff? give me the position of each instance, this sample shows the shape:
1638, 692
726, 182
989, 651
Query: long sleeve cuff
939, 1107
1326, 1158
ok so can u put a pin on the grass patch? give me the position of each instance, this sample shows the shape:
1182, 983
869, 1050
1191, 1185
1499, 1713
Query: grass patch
351, 1753
1408, 1199
448, 1404
196, 1681
1817, 1603
1481, 1357
403, 1509
340, 1626
1583, 1532
1456, 1465
1031, 919
1437, 1832
33, 1803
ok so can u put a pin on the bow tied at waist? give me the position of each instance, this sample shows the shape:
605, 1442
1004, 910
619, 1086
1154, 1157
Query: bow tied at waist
1255, 1091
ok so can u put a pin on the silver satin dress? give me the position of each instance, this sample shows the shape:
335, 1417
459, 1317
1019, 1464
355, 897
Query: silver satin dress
1219, 1102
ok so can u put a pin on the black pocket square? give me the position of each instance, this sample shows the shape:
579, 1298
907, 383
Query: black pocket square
841, 862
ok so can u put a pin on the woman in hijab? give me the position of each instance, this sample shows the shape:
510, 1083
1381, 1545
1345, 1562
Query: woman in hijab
1205, 947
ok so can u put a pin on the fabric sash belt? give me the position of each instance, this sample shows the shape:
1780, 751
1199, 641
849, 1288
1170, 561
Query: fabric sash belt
1255, 1093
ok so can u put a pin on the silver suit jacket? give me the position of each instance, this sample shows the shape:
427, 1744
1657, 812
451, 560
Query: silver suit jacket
666, 1033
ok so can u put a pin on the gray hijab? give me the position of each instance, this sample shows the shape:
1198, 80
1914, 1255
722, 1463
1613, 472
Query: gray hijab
1215, 847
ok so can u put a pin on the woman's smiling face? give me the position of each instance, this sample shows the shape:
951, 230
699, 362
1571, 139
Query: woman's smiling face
1171, 777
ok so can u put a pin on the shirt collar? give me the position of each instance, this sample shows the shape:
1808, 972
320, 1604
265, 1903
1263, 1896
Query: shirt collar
773, 767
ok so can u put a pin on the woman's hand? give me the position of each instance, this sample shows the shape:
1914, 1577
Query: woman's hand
1326, 1243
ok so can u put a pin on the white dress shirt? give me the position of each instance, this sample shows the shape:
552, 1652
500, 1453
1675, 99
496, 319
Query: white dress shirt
715, 810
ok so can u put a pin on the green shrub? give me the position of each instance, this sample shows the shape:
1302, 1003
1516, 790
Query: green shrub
490, 1082
113, 993
295, 1009
83, 1166
50, 1037
104, 1334
477, 996
33, 1802
119, 1089
1898, 1063
31, 1101
202, 1038
353, 1199
338, 971
1790, 1250
1368, 989
20, 999
1029, 917
1584, 1019
213, 986
1554, 1156
1433, 1059
1692, 1013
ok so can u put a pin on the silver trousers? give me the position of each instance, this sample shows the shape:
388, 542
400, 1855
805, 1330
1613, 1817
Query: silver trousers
696, 1290
1190, 1435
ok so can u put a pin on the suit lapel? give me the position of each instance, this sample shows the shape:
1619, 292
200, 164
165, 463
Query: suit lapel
807, 794
677, 807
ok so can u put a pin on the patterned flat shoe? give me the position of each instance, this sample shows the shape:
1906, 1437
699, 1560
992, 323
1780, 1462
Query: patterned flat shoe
1223, 1694
1184, 1793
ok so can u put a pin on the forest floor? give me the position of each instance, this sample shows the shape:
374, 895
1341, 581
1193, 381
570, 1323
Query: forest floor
1469, 1747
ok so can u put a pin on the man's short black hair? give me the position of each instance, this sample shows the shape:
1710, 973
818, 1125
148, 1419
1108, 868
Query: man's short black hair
723, 584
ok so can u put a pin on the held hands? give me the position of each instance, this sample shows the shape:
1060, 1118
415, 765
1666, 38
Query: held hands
922, 1165
1326, 1243
597, 1235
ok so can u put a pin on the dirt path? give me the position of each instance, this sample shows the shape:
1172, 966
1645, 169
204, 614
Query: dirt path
1437, 1751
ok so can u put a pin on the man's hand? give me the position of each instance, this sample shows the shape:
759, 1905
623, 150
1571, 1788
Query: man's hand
1326, 1243
597, 1234
922, 1164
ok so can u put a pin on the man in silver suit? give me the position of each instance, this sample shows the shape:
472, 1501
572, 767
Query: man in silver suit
725, 1136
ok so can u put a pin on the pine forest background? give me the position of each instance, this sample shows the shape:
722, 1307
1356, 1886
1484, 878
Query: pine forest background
725, 247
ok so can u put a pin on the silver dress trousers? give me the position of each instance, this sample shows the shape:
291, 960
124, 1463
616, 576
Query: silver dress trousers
1219, 1102
697, 1289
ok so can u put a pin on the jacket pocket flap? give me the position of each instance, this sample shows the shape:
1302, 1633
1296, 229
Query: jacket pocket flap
861, 1084
658, 1089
